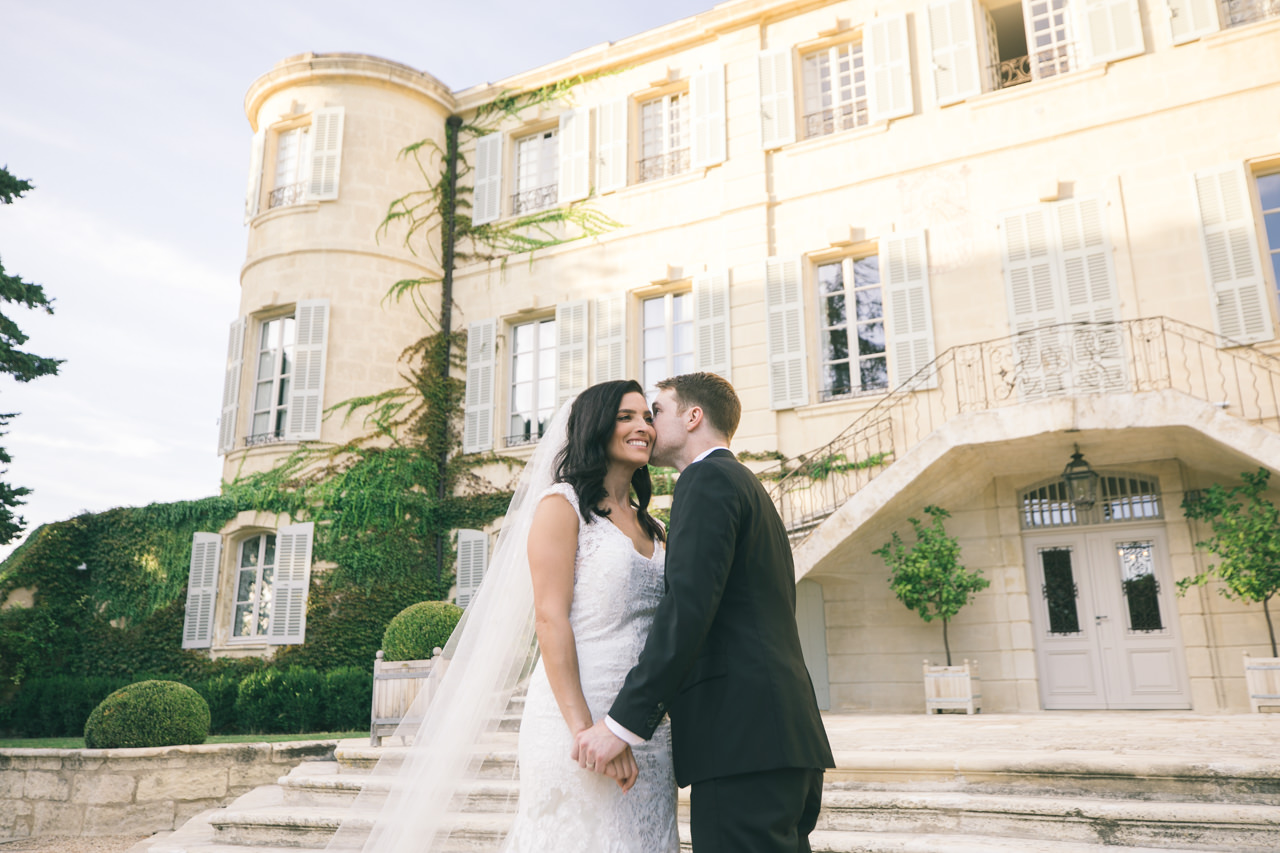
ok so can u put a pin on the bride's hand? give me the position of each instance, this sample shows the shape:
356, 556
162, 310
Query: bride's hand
623, 770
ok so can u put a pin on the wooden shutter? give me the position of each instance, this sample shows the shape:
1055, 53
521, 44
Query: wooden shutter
326, 153
477, 424
706, 90
292, 583
571, 349
889, 69
473, 561
1191, 19
611, 146
1113, 30
253, 195
1029, 275
202, 591
777, 98
488, 191
953, 40
231, 388
711, 350
610, 326
904, 263
306, 389
1090, 295
1231, 256
784, 304
575, 155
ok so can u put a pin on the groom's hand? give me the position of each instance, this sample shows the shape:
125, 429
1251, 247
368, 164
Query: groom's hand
623, 770
595, 747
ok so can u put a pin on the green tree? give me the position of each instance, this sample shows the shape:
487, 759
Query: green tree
928, 577
21, 365
1246, 535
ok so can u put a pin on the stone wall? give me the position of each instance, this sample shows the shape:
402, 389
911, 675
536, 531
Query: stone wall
135, 791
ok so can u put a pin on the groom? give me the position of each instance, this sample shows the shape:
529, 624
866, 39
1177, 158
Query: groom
723, 656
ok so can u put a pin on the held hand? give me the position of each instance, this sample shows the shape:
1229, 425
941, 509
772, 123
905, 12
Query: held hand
595, 747
623, 770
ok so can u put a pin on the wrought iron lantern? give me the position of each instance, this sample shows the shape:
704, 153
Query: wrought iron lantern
1081, 482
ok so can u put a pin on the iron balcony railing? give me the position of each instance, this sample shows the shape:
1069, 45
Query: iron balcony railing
263, 438
287, 195
844, 117
537, 198
1012, 72
1238, 13
663, 166
1127, 357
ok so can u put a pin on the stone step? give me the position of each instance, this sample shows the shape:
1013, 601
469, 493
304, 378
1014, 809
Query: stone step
895, 842
302, 826
339, 790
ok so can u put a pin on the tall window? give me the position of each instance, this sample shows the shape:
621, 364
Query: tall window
1049, 28
533, 380
835, 89
664, 137
1269, 193
289, 187
271, 386
254, 576
851, 306
667, 338
537, 171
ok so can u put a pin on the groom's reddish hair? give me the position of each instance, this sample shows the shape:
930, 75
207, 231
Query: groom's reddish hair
711, 393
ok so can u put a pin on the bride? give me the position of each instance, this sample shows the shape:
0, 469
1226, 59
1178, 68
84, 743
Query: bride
579, 563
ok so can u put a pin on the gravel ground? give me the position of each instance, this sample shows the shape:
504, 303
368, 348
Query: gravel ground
66, 844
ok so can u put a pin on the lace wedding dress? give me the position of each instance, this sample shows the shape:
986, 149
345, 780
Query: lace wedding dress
564, 808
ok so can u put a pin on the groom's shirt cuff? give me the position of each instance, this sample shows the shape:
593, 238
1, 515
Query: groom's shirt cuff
627, 735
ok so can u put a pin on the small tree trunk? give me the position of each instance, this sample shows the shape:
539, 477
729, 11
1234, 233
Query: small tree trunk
448, 241
945, 643
1271, 629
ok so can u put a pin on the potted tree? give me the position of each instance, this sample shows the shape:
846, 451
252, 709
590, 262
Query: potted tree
1245, 536
928, 578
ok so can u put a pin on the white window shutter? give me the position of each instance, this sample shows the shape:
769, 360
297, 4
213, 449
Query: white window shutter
953, 40
1191, 19
611, 146
473, 561
1228, 237
202, 591
784, 304
610, 324
904, 263
326, 153
575, 155
571, 349
777, 98
231, 388
1088, 273
711, 349
306, 389
477, 425
1030, 278
888, 52
253, 195
707, 137
1113, 30
291, 586
487, 198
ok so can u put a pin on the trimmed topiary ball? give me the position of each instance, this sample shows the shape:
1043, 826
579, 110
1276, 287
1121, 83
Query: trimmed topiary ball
148, 713
419, 629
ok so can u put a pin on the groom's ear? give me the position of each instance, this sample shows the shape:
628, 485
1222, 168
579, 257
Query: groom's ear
694, 417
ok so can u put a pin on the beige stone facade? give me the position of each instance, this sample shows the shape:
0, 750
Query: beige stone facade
861, 214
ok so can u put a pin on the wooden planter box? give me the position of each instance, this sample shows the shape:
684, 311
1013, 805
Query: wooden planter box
395, 685
1262, 677
950, 688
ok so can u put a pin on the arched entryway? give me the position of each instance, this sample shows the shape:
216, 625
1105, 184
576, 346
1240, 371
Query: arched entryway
1102, 602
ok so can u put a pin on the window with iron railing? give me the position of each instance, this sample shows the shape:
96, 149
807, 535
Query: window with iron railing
533, 381
1238, 13
835, 89
272, 379
289, 187
664, 137
537, 172
1051, 50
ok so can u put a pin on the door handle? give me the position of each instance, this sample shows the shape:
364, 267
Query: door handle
1097, 620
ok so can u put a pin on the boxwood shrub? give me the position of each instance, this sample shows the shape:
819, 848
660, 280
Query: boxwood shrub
419, 629
148, 713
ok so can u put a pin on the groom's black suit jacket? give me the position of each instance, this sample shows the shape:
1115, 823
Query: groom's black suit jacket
723, 656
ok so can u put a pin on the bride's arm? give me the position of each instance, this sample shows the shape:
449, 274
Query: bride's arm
553, 544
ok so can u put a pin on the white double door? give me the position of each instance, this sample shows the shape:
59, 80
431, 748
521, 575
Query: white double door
1106, 622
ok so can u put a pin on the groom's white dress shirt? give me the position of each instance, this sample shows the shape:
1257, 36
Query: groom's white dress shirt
625, 734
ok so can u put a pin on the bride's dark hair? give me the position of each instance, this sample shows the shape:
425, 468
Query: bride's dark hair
584, 460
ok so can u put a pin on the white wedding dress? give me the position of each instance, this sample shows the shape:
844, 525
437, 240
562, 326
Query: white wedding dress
564, 808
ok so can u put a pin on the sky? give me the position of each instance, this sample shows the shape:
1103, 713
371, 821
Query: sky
129, 119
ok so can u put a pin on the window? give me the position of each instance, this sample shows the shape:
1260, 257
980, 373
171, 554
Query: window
533, 380
255, 575
289, 185
272, 381
664, 137
537, 172
835, 89
1237, 13
853, 343
1269, 193
667, 338
1045, 25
